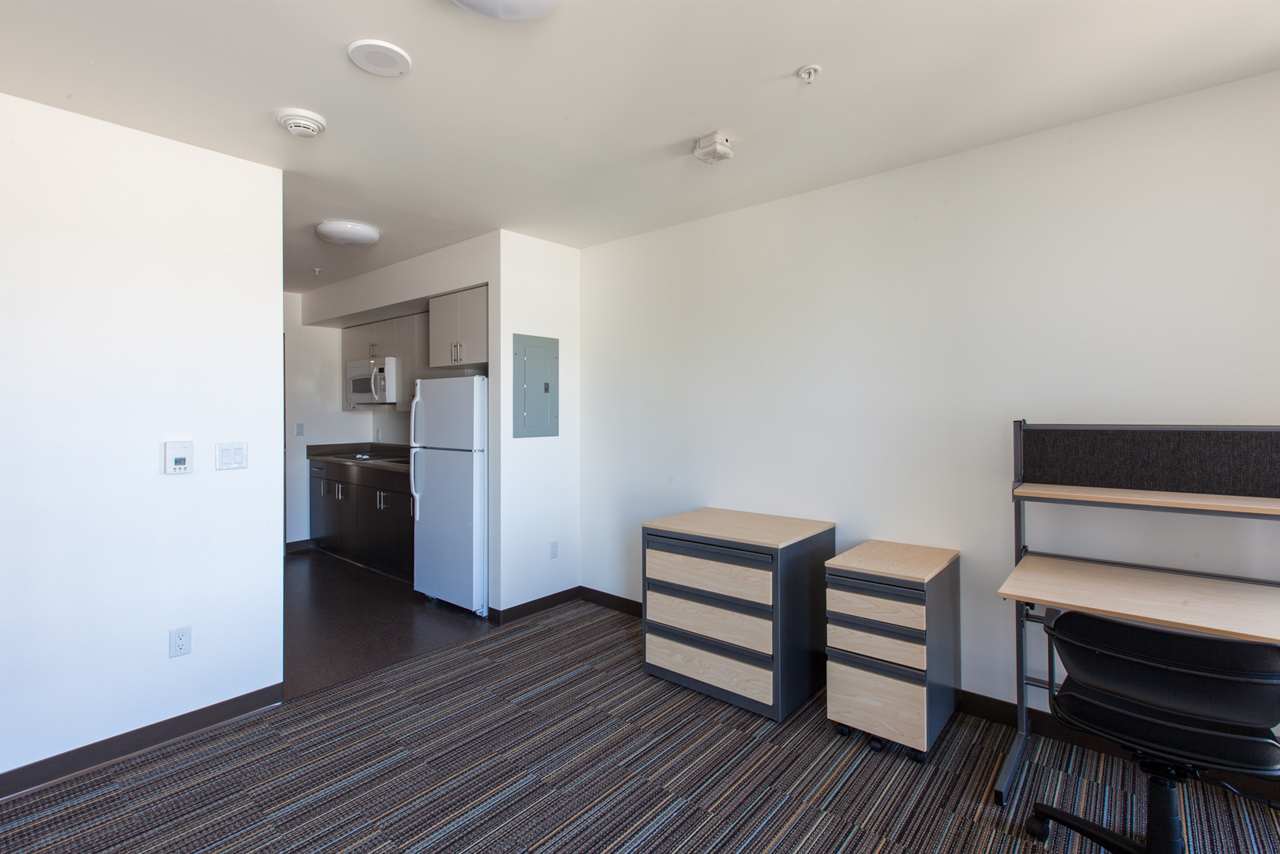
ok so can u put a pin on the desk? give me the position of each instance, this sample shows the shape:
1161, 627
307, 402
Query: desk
1241, 608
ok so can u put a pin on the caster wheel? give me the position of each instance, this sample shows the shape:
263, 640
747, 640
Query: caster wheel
1039, 828
843, 729
917, 755
876, 744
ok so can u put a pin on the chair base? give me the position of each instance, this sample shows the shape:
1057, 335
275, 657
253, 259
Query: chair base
1165, 834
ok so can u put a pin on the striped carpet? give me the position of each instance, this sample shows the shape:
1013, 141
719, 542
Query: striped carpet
545, 736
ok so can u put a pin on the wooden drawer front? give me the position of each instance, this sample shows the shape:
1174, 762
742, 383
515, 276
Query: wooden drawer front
728, 626
876, 704
754, 683
902, 652
907, 614
742, 582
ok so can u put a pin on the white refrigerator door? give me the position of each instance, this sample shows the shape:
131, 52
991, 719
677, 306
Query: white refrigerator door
449, 413
450, 536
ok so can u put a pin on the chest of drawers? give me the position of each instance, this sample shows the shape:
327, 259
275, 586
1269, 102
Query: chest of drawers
893, 640
733, 606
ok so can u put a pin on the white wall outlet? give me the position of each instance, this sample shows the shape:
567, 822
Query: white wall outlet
231, 455
177, 458
377, 436
179, 641
297, 429
555, 548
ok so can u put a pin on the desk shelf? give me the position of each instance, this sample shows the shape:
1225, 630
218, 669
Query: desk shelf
1188, 502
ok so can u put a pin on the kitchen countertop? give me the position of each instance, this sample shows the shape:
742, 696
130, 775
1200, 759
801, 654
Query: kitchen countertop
329, 454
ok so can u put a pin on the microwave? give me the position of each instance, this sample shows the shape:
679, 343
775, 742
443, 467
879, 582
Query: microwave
371, 381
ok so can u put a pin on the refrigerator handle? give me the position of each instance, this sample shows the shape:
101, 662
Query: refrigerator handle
413, 425
413, 481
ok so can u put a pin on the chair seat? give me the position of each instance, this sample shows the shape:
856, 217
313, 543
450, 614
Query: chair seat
1174, 737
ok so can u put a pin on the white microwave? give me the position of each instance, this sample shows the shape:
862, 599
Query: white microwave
371, 381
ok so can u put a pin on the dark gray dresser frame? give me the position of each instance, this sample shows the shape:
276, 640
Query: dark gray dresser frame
798, 661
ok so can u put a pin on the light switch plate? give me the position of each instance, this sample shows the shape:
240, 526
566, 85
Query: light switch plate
231, 455
177, 458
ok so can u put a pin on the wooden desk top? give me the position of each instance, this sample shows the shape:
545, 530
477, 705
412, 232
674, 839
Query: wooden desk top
1218, 606
757, 529
1144, 498
895, 560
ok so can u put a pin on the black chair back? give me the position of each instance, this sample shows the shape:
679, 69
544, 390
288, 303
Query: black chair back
1205, 701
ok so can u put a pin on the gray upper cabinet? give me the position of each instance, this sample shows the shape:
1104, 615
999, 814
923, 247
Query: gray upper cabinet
459, 328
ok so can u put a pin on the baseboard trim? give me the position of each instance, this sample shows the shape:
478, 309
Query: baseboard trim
608, 600
45, 772
1043, 723
299, 546
587, 594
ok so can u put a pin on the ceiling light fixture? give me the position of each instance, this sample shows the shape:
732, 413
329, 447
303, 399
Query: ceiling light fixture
712, 148
509, 10
346, 233
378, 57
808, 73
299, 122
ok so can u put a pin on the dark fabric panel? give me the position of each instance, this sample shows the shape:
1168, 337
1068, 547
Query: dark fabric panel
1212, 462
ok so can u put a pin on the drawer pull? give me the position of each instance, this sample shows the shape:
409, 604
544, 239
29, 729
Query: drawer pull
726, 579
876, 608
879, 591
695, 594
878, 704
709, 621
741, 557
745, 680
875, 665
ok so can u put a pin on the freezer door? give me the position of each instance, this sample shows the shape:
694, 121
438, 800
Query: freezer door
450, 413
450, 541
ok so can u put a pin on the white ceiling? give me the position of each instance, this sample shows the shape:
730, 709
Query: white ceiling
578, 127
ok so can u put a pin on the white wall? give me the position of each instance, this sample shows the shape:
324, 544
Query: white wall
540, 482
858, 354
313, 397
141, 282
402, 288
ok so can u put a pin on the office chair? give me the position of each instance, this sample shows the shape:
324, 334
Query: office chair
1180, 703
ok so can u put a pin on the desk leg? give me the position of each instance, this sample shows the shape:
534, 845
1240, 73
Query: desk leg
1013, 759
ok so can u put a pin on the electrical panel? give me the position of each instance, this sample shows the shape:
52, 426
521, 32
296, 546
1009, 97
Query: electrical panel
536, 386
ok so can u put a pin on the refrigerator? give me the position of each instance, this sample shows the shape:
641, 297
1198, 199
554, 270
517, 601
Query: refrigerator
448, 476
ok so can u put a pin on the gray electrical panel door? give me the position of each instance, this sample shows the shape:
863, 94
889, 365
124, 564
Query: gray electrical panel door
536, 388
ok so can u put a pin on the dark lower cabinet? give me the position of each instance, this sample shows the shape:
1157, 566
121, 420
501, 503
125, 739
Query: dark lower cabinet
354, 514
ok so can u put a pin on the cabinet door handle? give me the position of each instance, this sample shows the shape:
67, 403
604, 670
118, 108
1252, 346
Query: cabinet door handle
339, 492
461, 358
322, 492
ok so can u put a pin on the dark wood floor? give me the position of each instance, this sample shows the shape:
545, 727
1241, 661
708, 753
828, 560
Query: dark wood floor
342, 621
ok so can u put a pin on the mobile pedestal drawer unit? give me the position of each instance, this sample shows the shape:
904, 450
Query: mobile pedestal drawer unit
893, 641
733, 606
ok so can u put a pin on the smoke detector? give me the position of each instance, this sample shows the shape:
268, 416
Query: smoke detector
300, 122
808, 73
712, 148
378, 57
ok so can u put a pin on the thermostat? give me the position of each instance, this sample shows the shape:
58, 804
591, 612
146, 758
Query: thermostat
177, 457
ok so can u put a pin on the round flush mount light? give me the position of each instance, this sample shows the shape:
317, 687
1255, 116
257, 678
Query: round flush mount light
300, 122
378, 57
346, 233
509, 10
